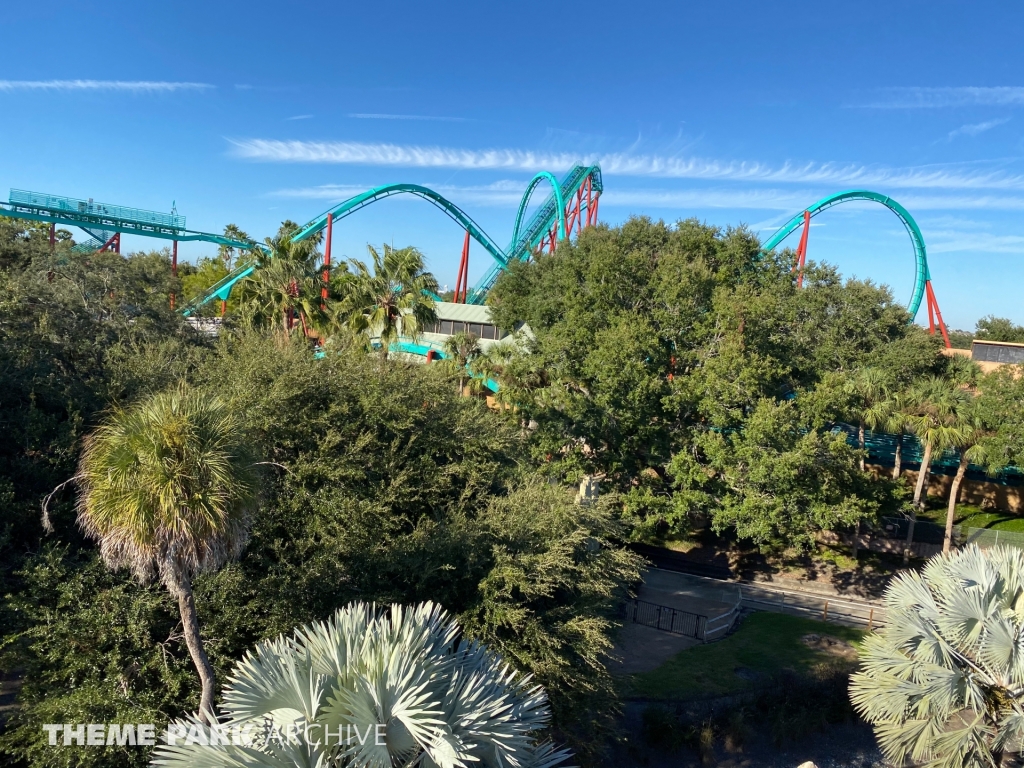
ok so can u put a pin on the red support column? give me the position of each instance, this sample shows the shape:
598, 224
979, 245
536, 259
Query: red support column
174, 266
462, 281
465, 271
932, 301
579, 210
931, 312
597, 201
327, 262
801, 250
590, 199
223, 308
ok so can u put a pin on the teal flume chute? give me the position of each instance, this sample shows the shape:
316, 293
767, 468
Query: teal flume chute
526, 234
921, 273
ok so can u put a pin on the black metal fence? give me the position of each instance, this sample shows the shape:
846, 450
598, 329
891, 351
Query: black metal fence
925, 531
667, 619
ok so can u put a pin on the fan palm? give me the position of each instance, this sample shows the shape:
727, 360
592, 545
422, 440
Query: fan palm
870, 388
285, 287
228, 253
936, 420
969, 439
393, 300
460, 349
167, 488
518, 374
891, 415
943, 681
375, 689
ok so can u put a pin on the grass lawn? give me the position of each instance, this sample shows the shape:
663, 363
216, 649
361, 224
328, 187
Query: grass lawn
765, 645
995, 521
974, 517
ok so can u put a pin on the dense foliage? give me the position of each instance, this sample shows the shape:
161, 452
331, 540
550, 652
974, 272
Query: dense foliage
677, 365
686, 368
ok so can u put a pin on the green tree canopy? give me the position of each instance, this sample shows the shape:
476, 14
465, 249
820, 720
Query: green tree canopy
656, 344
992, 328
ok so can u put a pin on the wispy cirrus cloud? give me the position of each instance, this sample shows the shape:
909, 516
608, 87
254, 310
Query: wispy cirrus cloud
934, 98
299, 117
379, 116
132, 86
500, 193
622, 163
973, 129
953, 241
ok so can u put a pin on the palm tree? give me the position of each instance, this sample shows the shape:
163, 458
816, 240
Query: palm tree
962, 371
285, 287
942, 682
935, 419
167, 489
227, 253
969, 442
891, 415
460, 349
870, 388
374, 688
396, 299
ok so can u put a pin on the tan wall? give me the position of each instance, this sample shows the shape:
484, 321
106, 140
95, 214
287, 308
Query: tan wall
982, 494
876, 544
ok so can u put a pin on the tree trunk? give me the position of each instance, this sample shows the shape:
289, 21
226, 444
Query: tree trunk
190, 624
910, 535
922, 477
860, 443
898, 458
954, 491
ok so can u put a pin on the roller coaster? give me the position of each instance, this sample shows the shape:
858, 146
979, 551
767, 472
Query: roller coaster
571, 205
573, 202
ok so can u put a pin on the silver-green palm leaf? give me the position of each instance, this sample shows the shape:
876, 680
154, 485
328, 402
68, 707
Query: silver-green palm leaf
436, 701
943, 682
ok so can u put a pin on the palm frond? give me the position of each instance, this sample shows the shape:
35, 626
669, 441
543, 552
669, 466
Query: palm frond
942, 681
390, 687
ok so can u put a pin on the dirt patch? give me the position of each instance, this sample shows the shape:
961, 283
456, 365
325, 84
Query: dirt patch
833, 646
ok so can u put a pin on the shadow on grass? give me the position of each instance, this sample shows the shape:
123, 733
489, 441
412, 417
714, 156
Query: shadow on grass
765, 646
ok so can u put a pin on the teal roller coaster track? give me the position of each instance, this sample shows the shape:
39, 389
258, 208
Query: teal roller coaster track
572, 202
922, 276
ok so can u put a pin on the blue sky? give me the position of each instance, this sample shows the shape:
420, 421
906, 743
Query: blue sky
732, 112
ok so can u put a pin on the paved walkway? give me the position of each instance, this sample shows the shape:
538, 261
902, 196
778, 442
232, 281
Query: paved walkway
641, 648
